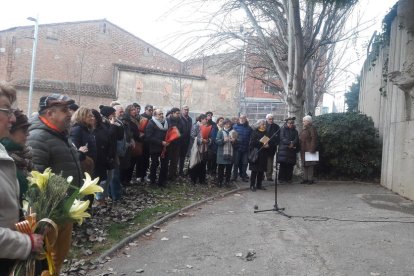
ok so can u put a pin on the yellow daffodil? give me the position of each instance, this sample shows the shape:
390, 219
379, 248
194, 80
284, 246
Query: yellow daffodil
40, 179
90, 186
77, 211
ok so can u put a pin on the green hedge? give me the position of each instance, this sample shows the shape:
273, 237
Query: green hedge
349, 146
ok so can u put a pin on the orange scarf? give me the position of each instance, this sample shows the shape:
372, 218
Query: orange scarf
50, 124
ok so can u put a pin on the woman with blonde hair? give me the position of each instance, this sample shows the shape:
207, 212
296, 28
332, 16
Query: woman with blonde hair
81, 136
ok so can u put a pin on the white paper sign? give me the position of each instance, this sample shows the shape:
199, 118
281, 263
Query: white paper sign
311, 156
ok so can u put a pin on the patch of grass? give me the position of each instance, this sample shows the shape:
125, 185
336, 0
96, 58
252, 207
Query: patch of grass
168, 200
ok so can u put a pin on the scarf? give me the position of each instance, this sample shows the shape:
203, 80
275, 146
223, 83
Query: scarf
160, 124
227, 147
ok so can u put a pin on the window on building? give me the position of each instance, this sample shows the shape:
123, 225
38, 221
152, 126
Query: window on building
270, 89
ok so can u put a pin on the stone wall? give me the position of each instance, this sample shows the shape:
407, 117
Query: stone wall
392, 111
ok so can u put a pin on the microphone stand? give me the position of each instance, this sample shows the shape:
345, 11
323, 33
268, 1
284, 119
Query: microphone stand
276, 207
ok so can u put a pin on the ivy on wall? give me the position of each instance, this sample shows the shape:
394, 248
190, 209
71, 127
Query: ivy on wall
381, 41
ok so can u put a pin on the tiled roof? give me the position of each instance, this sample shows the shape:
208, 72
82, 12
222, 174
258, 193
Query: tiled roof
124, 67
86, 89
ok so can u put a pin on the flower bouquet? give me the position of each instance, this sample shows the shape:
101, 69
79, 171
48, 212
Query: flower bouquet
172, 134
52, 201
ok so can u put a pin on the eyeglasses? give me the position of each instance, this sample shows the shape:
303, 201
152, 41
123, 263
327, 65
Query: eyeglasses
9, 111
160, 114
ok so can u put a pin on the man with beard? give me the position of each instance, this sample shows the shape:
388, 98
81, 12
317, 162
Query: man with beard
51, 148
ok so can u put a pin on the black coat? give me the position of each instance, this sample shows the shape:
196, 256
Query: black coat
261, 164
286, 154
104, 151
187, 124
272, 131
154, 136
80, 135
177, 123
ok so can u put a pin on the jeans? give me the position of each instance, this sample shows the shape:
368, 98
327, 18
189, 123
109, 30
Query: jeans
115, 188
240, 164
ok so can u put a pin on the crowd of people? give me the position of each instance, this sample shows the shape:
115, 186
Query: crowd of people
122, 145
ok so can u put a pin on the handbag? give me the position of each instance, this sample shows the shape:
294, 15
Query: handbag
137, 149
253, 155
88, 165
195, 155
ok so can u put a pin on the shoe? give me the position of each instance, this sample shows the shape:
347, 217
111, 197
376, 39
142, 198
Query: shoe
245, 179
227, 184
253, 188
270, 179
261, 188
220, 184
304, 182
233, 179
310, 182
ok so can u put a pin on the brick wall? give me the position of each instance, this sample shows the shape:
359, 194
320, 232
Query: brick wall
77, 52
87, 101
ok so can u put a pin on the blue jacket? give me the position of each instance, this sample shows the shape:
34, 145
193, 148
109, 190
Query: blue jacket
244, 132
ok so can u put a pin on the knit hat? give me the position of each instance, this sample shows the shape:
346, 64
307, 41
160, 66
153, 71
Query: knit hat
106, 110
21, 121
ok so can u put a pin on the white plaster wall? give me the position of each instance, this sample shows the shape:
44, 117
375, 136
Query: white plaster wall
164, 92
388, 113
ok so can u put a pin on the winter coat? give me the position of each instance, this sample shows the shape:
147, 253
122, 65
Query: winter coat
22, 158
220, 147
244, 132
80, 135
286, 154
272, 131
186, 124
53, 149
308, 140
105, 155
212, 147
13, 244
155, 136
261, 164
177, 123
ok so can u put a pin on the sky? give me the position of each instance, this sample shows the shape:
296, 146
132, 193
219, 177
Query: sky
156, 20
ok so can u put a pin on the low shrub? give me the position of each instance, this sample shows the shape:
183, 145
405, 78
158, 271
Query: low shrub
349, 146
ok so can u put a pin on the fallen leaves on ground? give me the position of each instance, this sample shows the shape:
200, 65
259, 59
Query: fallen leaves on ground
137, 197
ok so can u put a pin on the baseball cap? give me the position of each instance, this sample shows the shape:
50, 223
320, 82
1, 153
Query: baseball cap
54, 100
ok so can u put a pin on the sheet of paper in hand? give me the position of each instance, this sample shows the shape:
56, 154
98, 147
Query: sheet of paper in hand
311, 156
